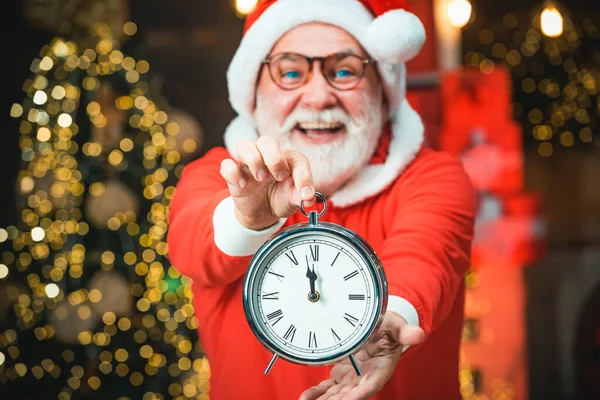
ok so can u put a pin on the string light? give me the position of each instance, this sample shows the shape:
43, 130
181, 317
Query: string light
52, 290
563, 106
551, 21
555, 99
459, 12
3, 271
245, 7
86, 295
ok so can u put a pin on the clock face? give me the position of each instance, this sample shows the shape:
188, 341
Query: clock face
314, 297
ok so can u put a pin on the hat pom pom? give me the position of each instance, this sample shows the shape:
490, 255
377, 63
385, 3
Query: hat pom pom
395, 36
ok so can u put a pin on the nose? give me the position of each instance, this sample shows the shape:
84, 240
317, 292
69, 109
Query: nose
318, 94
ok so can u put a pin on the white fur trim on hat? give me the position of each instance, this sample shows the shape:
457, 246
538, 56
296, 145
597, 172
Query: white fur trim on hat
392, 39
407, 134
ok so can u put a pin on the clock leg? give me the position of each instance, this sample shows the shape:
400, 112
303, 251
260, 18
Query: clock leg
355, 365
275, 357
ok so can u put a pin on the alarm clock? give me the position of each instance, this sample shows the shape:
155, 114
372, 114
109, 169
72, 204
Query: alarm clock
315, 292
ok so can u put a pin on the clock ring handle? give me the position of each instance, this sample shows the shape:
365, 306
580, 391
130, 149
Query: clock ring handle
319, 195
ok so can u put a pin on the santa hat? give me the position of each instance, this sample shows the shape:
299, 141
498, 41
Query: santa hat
385, 29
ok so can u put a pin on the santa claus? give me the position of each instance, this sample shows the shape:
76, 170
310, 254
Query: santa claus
319, 88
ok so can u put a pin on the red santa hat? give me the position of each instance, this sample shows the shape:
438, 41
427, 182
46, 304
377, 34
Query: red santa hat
385, 29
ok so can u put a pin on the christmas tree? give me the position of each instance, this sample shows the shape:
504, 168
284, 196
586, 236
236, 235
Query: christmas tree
90, 306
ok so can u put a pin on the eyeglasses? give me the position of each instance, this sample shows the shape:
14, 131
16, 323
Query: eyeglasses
342, 71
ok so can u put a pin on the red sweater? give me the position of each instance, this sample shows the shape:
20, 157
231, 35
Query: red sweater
421, 226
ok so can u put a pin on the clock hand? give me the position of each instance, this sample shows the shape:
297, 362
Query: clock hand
314, 274
309, 275
312, 277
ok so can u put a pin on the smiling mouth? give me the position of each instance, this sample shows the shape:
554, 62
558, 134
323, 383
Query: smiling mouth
319, 128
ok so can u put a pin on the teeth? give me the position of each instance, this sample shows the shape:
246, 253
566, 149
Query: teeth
319, 125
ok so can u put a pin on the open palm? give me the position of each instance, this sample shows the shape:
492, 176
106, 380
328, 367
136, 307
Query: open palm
377, 361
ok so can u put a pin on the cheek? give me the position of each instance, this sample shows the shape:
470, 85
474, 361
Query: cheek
274, 101
274, 104
357, 104
366, 96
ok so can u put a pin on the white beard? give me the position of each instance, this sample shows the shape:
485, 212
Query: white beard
332, 164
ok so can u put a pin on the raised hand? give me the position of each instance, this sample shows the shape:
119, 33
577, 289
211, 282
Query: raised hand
267, 182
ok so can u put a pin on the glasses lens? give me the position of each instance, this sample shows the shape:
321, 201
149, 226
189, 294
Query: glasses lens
344, 71
289, 70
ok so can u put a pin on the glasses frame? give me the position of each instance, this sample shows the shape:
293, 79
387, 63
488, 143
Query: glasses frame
311, 61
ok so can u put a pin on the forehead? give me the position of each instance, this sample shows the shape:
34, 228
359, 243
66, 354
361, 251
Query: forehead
317, 39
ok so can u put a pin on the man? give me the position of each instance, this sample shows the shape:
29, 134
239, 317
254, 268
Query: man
319, 89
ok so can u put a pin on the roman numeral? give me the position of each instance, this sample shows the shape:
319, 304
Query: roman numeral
314, 252
289, 334
275, 315
350, 319
271, 296
292, 257
277, 275
356, 297
336, 256
312, 339
350, 275
335, 336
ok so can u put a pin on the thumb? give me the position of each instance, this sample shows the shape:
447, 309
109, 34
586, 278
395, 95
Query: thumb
407, 334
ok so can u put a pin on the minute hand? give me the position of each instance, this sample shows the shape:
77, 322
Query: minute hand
311, 277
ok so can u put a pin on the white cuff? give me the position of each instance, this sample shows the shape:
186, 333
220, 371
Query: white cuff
234, 239
402, 307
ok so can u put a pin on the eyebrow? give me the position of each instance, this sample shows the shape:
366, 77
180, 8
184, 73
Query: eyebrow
288, 54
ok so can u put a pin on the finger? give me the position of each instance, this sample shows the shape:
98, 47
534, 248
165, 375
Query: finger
331, 392
409, 335
402, 332
342, 391
302, 174
273, 157
361, 392
233, 174
249, 157
316, 391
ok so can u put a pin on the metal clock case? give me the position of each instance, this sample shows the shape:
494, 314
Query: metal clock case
315, 293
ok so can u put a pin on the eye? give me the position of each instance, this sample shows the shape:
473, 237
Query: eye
344, 73
291, 74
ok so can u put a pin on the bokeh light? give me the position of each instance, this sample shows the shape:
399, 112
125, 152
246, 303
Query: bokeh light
52, 290
245, 7
552, 22
459, 12
86, 279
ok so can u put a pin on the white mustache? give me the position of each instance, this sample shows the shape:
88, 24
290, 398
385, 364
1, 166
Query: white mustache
332, 116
